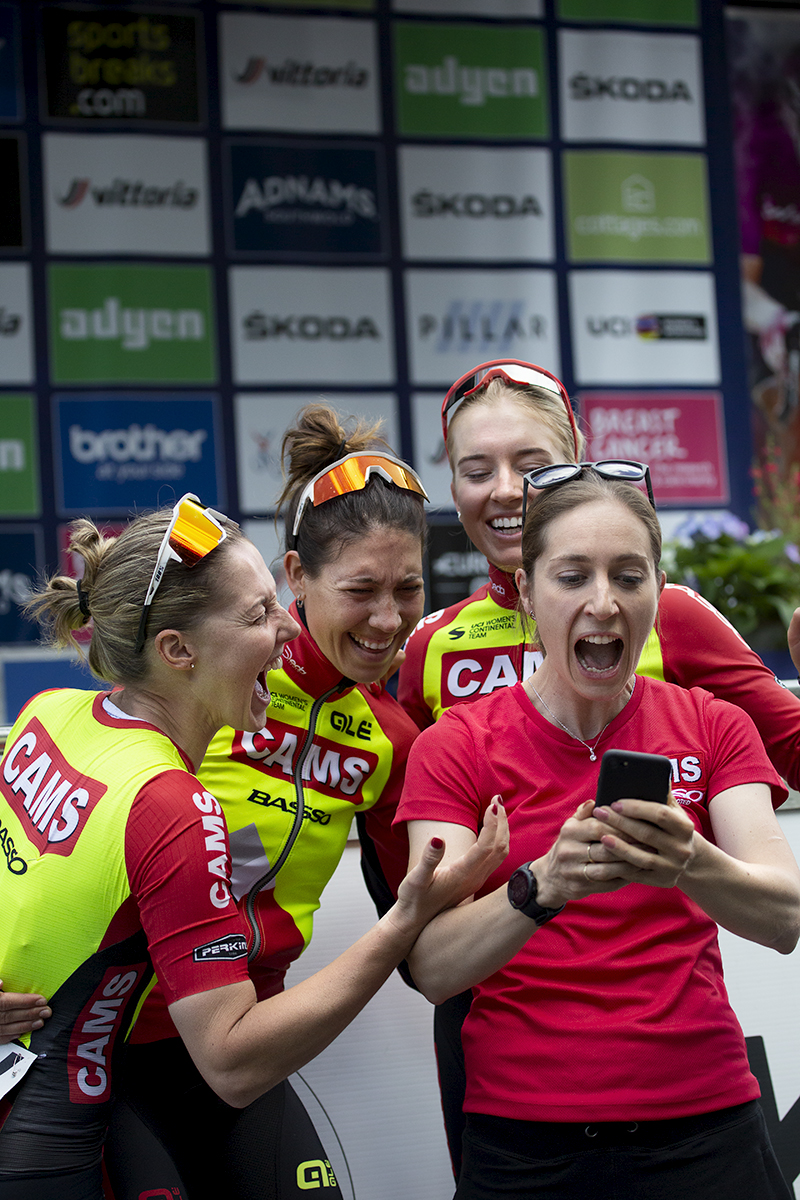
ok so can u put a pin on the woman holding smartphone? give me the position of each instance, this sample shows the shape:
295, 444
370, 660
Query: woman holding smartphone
602, 1056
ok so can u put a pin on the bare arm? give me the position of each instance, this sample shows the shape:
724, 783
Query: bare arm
749, 882
243, 1048
21, 1013
464, 945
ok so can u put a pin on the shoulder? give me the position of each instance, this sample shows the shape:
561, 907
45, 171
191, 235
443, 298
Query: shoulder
685, 612
444, 617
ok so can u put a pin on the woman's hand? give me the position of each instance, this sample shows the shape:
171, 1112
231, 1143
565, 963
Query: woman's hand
21, 1013
577, 864
649, 843
429, 887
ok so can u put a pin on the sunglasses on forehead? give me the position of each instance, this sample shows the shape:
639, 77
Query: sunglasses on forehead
193, 532
612, 468
513, 371
352, 474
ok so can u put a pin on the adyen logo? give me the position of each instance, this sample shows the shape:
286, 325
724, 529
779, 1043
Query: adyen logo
620, 86
114, 64
19, 477
310, 73
307, 200
117, 450
133, 194
131, 323
470, 79
637, 207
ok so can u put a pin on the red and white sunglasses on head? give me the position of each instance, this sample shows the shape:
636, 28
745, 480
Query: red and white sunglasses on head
512, 370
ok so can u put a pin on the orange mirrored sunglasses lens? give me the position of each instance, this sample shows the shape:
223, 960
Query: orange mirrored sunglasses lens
194, 535
351, 476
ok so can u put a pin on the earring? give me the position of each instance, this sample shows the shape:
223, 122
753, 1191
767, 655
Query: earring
300, 602
458, 513
532, 615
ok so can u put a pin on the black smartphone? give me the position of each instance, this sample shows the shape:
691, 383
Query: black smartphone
629, 774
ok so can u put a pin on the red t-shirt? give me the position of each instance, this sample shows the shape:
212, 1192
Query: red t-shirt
616, 1009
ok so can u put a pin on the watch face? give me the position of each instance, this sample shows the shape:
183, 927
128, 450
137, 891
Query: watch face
518, 888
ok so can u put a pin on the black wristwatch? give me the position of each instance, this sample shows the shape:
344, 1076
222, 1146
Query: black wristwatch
522, 895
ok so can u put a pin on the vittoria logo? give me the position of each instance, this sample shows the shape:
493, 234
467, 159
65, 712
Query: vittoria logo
293, 73
430, 204
259, 326
126, 193
590, 87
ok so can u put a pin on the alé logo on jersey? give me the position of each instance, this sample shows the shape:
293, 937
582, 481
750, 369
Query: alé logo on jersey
479, 671
127, 193
95, 1032
329, 767
50, 797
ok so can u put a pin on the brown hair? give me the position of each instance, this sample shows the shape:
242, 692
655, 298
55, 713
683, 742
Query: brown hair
315, 441
544, 405
116, 577
546, 505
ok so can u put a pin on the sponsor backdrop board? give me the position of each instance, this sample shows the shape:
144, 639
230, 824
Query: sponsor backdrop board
214, 211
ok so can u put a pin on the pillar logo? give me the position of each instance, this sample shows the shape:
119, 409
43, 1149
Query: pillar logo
131, 324
462, 80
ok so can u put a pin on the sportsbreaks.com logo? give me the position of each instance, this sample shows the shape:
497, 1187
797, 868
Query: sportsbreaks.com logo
50, 797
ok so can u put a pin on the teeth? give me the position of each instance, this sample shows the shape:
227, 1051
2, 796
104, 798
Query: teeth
276, 663
261, 691
506, 523
600, 639
371, 645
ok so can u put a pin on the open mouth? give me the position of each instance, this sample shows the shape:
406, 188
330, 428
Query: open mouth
599, 652
261, 689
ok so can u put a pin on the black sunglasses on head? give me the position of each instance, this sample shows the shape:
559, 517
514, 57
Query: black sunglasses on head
611, 468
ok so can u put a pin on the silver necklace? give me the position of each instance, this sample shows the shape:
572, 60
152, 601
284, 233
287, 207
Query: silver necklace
591, 749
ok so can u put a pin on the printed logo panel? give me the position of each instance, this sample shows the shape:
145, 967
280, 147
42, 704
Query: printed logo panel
19, 458
261, 422
644, 327
21, 560
116, 64
118, 452
297, 200
100, 1023
51, 799
642, 12
680, 435
12, 229
631, 87
16, 324
312, 73
308, 325
637, 207
472, 8
459, 318
131, 324
430, 455
10, 74
330, 768
476, 203
470, 80
126, 194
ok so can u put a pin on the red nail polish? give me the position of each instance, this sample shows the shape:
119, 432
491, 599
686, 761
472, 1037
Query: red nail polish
437, 843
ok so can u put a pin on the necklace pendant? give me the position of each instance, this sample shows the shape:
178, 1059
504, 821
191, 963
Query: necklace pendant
592, 756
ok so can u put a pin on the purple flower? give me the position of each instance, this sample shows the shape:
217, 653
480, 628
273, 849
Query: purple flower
713, 526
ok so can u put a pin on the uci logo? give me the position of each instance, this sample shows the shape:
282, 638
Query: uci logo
316, 1173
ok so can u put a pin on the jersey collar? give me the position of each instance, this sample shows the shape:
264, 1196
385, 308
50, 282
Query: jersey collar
307, 666
502, 587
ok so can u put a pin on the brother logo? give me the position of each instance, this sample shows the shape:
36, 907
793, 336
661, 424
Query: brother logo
136, 444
